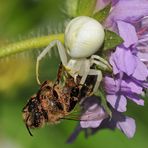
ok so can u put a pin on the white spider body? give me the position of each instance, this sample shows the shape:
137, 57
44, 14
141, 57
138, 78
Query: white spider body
83, 37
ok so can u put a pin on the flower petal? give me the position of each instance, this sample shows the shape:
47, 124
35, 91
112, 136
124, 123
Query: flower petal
143, 57
127, 10
118, 103
128, 85
127, 32
110, 86
93, 117
141, 71
123, 60
135, 98
128, 127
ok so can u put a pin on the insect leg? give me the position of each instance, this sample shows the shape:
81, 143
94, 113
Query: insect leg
59, 74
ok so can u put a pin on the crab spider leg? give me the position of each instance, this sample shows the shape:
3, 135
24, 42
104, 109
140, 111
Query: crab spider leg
96, 57
102, 65
85, 72
99, 78
89, 71
61, 51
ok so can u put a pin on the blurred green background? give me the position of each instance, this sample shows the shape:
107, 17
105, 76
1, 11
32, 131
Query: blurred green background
20, 19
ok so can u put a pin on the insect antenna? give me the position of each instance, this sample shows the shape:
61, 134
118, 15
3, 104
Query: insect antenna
59, 74
28, 127
29, 130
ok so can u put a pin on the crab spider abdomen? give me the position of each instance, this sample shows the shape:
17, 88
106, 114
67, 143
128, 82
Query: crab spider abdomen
83, 37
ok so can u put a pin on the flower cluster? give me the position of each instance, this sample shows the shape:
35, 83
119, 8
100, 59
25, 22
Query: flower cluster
102, 120
129, 19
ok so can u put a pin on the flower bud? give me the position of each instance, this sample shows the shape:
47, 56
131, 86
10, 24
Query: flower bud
83, 37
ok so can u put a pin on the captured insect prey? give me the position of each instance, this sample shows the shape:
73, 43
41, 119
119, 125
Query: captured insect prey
54, 100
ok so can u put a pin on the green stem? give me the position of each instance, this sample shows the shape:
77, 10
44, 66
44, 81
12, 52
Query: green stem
102, 95
26, 45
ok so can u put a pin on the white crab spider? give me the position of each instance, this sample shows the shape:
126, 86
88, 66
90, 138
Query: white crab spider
83, 37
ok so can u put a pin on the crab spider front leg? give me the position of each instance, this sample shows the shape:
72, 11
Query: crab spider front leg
98, 73
61, 51
85, 71
89, 71
97, 60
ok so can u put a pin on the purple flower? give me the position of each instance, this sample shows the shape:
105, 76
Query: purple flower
124, 123
128, 11
124, 58
129, 70
129, 62
98, 116
93, 113
131, 25
118, 90
142, 44
137, 38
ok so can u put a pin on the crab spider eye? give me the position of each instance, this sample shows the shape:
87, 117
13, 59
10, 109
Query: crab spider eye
83, 37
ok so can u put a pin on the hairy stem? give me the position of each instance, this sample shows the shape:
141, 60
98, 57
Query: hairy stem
29, 44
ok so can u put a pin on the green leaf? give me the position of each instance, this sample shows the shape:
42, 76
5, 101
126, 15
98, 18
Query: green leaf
86, 7
111, 40
102, 14
71, 7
